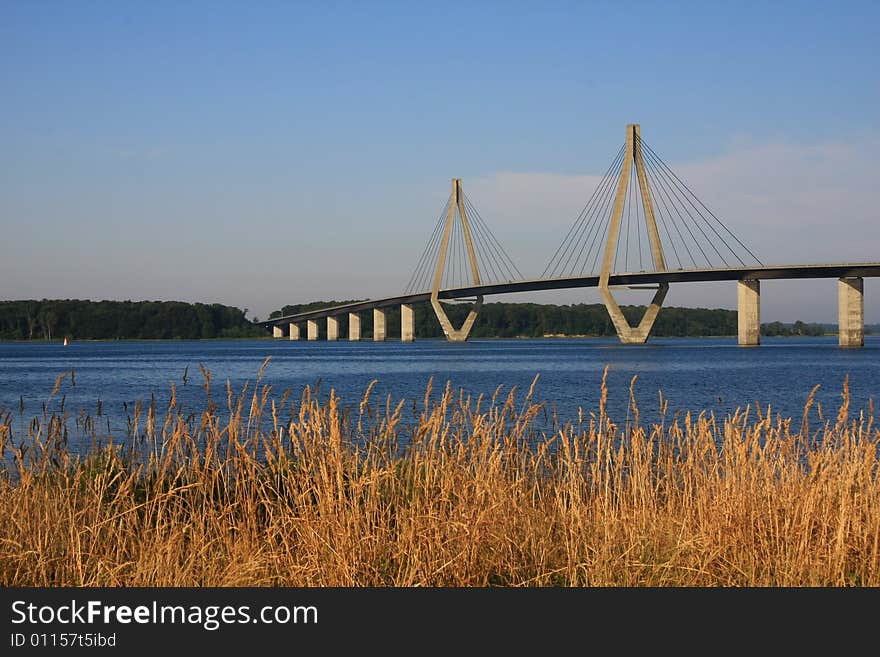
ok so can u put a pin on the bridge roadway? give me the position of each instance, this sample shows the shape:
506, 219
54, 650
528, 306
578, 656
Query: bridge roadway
845, 270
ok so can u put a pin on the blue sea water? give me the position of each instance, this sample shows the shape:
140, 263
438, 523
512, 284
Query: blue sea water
714, 375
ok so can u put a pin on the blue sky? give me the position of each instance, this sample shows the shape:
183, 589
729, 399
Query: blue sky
263, 153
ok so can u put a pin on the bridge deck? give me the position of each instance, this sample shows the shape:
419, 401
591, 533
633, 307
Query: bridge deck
861, 269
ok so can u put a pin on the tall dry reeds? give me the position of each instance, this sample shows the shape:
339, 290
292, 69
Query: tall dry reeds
273, 492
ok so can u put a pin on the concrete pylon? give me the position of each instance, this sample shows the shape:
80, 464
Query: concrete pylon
294, 331
748, 312
354, 327
378, 324
851, 312
626, 333
452, 334
277, 332
407, 323
332, 328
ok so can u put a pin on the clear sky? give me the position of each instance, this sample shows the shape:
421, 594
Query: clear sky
263, 153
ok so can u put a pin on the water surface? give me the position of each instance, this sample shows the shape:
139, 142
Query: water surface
713, 375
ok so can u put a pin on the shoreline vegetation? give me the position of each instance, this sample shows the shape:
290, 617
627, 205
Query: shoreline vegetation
536, 320
549, 336
262, 489
53, 320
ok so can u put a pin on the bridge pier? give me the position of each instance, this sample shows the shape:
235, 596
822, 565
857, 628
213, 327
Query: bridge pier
461, 334
277, 332
332, 328
378, 325
407, 323
312, 329
748, 314
354, 327
628, 334
294, 331
850, 312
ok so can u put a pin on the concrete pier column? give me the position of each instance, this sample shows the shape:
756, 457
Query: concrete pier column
277, 332
294, 331
378, 325
354, 327
850, 312
332, 328
407, 323
312, 329
748, 315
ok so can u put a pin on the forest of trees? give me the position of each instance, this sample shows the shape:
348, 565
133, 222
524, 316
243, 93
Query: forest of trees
510, 320
177, 320
122, 320
798, 328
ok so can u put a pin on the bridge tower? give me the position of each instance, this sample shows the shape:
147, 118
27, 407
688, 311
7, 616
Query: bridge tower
456, 206
632, 155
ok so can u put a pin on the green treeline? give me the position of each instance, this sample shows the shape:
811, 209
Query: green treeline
798, 328
122, 320
177, 320
297, 308
513, 320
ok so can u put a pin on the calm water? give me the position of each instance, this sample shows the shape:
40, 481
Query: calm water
693, 374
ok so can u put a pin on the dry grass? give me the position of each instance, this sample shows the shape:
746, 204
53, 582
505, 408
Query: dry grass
242, 497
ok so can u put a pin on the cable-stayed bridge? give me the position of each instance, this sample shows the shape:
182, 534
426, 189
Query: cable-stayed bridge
642, 228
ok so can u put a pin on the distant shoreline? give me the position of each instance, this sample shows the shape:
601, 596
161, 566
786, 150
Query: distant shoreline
51, 320
269, 338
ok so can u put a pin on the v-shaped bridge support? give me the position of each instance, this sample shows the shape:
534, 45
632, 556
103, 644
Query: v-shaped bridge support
456, 203
626, 333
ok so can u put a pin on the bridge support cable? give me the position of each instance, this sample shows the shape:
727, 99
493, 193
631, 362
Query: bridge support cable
599, 229
584, 226
420, 279
662, 212
487, 243
601, 234
694, 206
689, 241
584, 223
680, 204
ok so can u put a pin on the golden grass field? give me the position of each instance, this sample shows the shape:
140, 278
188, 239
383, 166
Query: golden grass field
459, 497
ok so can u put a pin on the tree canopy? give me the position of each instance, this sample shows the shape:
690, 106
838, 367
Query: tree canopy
517, 320
122, 320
